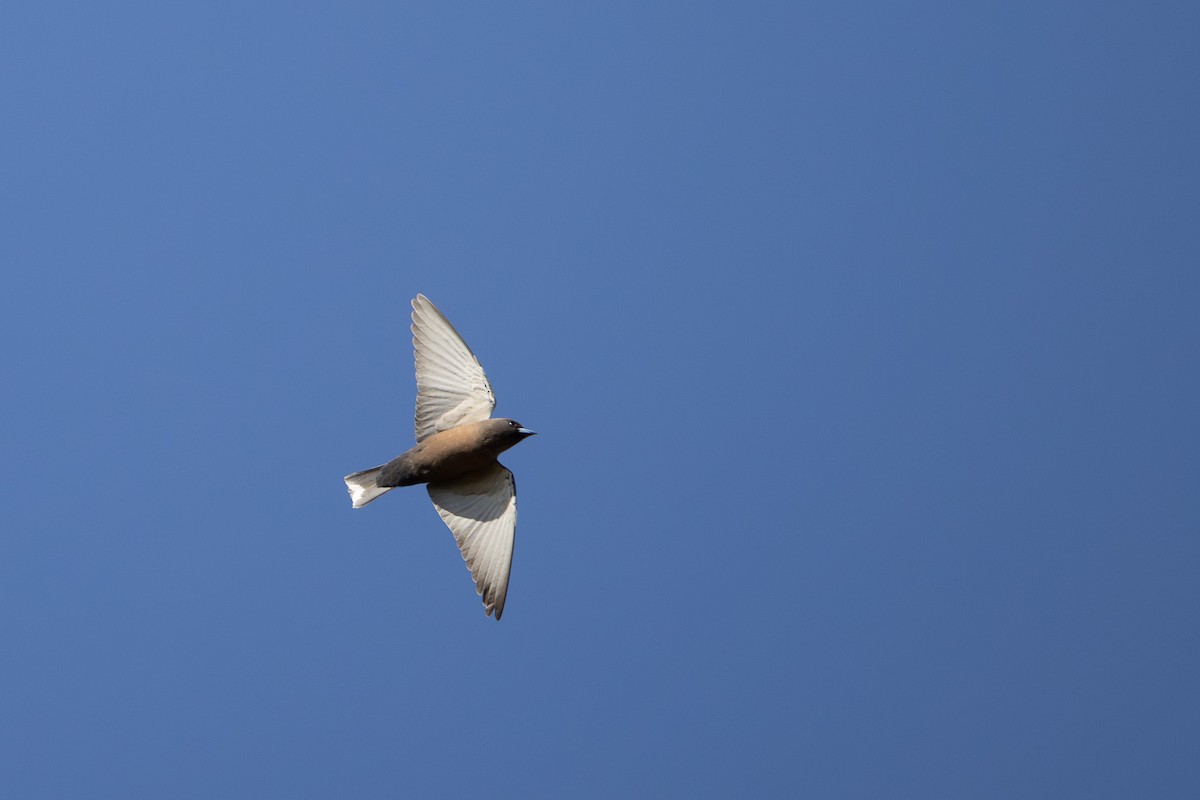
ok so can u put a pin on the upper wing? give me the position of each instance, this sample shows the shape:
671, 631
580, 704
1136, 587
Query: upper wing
451, 386
481, 511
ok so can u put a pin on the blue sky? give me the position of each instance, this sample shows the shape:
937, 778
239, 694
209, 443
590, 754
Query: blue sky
861, 337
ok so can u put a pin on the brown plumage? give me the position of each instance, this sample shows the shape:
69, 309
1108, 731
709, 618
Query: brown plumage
451, 454
456, 451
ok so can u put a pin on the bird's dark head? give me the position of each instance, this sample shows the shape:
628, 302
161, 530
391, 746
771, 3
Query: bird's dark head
502, 434
518, 429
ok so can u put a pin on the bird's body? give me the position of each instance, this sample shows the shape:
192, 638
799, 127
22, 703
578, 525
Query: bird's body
448, 454
451, 454
456, 451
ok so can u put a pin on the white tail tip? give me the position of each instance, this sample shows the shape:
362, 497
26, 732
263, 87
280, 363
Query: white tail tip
364, 486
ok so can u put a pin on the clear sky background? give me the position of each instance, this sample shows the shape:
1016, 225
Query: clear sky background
861, 338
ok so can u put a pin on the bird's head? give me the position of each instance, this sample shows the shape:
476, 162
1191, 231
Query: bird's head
502, 434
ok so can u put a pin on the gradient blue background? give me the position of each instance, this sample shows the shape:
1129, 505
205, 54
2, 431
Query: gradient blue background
862, 339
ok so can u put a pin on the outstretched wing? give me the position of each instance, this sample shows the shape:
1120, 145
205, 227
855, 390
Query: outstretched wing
451, 386
481, 511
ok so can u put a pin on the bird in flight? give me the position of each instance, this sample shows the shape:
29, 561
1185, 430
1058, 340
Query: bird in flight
455, 455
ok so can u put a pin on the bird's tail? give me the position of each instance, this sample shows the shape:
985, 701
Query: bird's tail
364, 486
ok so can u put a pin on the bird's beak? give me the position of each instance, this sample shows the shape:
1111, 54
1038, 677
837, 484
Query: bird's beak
526, 432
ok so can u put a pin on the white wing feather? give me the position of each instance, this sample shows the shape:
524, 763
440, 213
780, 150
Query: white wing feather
451, 386
481, 511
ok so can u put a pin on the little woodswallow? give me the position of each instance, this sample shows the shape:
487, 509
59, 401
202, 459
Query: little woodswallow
456, 451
